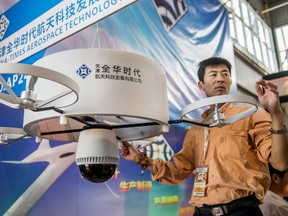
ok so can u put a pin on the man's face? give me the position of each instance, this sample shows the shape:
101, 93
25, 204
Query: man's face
217, 80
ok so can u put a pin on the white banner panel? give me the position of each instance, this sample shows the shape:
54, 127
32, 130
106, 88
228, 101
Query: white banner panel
63, 20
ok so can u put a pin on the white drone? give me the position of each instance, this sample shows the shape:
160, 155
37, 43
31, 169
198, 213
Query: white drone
99, 98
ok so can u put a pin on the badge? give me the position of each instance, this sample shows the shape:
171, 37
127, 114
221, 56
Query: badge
200, 181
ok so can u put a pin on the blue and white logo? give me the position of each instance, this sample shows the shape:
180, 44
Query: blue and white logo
83, 71
170, 11
4, 22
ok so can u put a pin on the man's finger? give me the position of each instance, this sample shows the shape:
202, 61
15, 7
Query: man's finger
125, 144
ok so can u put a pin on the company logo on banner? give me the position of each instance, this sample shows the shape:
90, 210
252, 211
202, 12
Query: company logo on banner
66, 18
4, 22
170, 11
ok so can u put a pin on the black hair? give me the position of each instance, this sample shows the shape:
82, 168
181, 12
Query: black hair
211, 62
272, 170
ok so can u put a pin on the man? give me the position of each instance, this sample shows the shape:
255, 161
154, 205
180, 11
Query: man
234, 157
274, 202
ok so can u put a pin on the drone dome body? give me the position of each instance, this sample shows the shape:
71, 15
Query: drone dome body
119, 91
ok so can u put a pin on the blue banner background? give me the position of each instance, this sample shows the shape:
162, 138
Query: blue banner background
200, 33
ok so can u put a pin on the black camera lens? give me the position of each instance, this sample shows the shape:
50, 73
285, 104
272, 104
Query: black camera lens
97, 173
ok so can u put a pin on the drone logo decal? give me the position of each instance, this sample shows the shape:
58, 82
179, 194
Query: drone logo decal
4, 22
83, 71
170, 11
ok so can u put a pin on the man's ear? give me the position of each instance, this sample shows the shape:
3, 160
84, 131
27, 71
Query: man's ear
200, 85
275, 178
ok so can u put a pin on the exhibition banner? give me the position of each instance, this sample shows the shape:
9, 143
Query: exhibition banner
57, 23
43, 178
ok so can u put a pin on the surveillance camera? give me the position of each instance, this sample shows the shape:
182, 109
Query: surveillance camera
97, 154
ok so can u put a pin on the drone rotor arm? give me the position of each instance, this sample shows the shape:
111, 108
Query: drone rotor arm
218, 118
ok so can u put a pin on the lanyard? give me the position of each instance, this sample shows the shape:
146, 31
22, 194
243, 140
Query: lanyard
206, 142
